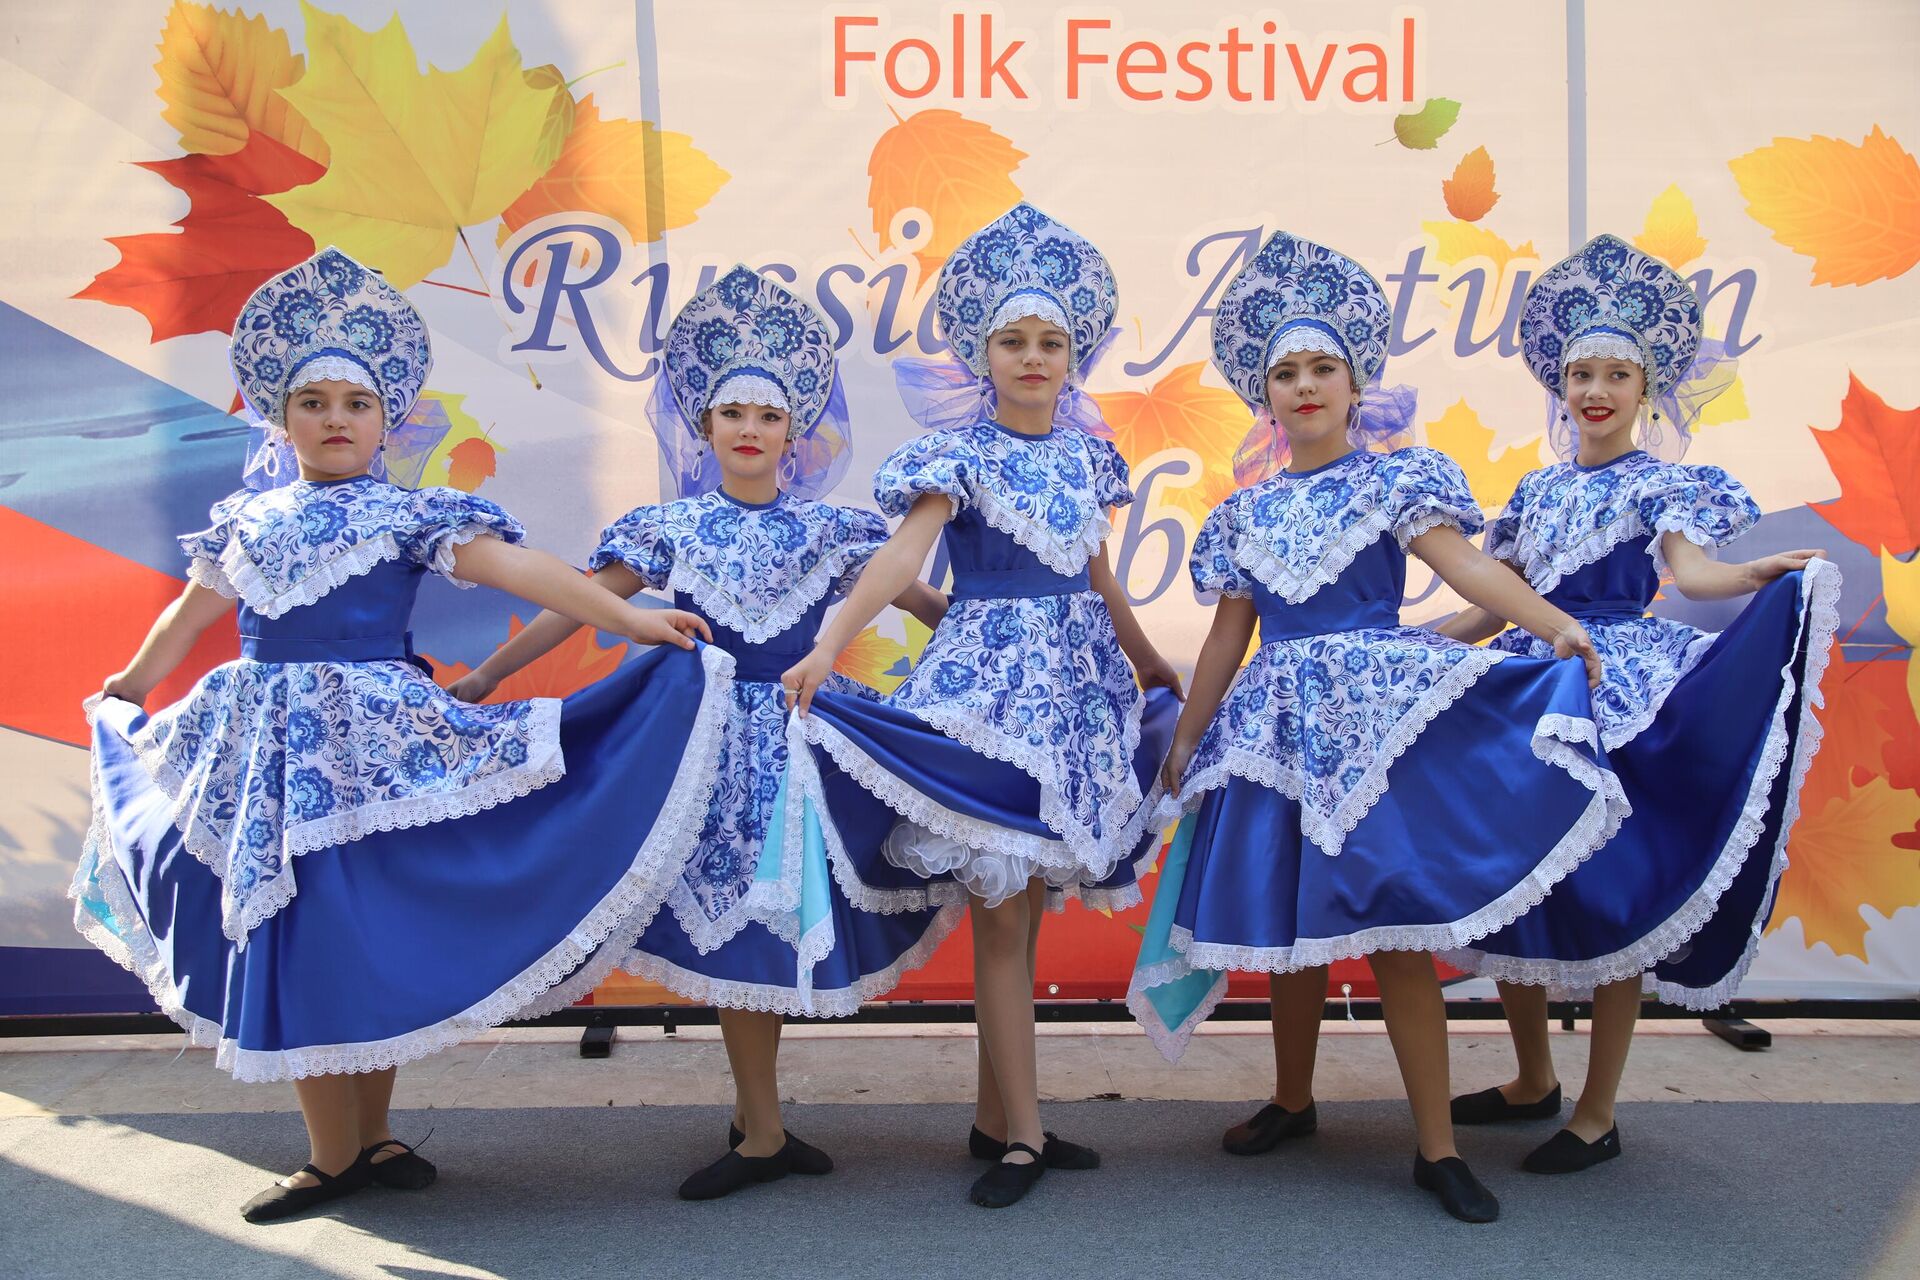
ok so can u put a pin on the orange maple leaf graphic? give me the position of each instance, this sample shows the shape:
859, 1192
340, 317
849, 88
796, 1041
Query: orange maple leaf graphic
229, 243
957, 171
1848, 851
1855, 210
1875, 455
568, 667
1469, 192
1179, 412
470, 463
1869, 726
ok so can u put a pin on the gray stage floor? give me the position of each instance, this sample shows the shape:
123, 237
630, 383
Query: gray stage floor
1705, 1189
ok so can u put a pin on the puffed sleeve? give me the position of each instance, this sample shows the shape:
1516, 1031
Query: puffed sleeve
1428, 489
1212, 564
939, 462
204, 549
858, 534
1703, 504
639, 541
1503, 531
441, 519
1111, 480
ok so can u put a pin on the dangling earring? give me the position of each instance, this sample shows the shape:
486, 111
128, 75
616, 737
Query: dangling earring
789, 466
1354, 436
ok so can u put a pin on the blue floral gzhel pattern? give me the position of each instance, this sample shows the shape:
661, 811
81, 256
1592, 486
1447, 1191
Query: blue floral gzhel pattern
761, 572
1294, 534
1321, 718
1610, 284
1291, 279
1024, 249
1049, 493
756, 570
290, 546
329, 303
1564, 517
747, 321
263, 761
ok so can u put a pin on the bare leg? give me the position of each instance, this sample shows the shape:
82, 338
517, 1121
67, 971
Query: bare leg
1003, 1007
753, 1050
1417, 1025
1526, 1010
989, 1113
330, 1106
1616, 1007
373, 1097
1299, 1003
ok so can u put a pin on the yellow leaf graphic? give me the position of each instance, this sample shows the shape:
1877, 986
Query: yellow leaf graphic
1900, 582
1458, 243
1179, 412
415, 157
879, 661
221, 75
604, 168
955, 170
1855, 210
1460, 435
1672, 233
1842, 857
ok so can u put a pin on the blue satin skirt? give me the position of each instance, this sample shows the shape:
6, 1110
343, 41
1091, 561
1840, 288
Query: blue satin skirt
1684, 890
402, 943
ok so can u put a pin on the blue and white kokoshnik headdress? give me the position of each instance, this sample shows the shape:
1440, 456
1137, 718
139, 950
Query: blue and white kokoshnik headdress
1297, 296
747, 340
1611, 301
1021, 264
327, 318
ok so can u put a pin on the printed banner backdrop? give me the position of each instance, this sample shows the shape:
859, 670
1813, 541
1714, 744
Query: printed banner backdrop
549, 180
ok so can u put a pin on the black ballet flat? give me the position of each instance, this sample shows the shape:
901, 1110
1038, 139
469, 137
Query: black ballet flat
734, 1172
1459, 1191
408, 1171
1567, 1152
1490, 1106
278, 1202
1007, 1184
1270, 1126
1056, 1152
805, 1158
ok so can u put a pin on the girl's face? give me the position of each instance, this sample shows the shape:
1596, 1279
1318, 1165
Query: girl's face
335, 429
1603, 398
1027, 361
1310, 394
748, 439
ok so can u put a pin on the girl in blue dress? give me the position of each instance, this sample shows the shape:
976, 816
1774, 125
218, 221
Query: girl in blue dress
1009, 770
1360, 788
1711, 734
298, 856
750, 380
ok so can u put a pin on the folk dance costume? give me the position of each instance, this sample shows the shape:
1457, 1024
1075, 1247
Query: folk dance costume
1021, 745
1364, 786
1711, 734
762, 576
318, 861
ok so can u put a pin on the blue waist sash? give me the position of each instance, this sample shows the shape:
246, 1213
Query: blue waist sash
763, 663
1016, 584
1299, 623
348, 649
1607, 610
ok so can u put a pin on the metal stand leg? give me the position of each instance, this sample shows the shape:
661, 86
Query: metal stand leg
1738, 1032
596, 1041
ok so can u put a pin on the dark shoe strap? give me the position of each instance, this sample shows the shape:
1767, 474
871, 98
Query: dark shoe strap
1021, 1146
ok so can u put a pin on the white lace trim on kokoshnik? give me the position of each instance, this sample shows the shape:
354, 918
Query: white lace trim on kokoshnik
588, 952
1576, 979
